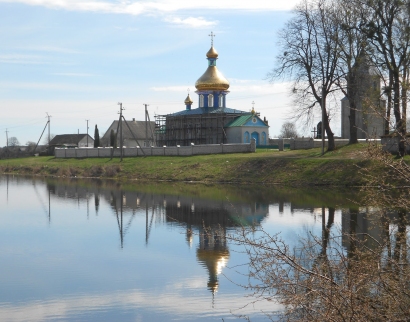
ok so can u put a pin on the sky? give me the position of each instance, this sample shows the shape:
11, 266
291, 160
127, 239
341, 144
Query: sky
76, 60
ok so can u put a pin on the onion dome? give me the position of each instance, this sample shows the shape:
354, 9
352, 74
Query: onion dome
188, 100
212, 79
212, 53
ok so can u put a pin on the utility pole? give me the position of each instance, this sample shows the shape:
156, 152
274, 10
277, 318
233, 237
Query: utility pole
7, 138
121, 109
48, 117
146, 124
87, 132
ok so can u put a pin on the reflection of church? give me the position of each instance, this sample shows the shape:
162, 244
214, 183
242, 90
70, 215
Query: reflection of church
212, 122
210, 220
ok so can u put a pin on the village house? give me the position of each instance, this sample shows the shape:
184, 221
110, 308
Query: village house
134, 133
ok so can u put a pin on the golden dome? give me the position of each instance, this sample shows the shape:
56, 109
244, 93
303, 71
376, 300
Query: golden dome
212, 53
212, 80
188, 100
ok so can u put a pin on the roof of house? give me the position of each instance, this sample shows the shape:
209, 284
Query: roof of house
137, 128
63, 139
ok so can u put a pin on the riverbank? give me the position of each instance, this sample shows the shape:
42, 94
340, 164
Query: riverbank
297, 168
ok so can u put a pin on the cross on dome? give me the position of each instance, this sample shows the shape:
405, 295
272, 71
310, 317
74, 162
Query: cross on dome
212, 35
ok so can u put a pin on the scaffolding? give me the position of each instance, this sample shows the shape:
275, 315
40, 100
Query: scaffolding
184, 130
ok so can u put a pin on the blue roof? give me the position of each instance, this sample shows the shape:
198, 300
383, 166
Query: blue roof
201, 110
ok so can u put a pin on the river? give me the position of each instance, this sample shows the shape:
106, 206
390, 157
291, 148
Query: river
92, 250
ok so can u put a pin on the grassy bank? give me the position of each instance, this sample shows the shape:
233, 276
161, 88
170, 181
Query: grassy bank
302, 167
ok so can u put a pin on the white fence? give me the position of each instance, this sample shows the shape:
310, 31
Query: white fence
158, 151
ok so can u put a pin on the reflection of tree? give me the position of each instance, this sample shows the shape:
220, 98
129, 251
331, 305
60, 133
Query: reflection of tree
321, 280
96, 202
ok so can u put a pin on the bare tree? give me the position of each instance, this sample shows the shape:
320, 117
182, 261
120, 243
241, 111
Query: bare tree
45, 140
354, 62
13, 141
310, 57
386, 23
288, 130
344, 273
30, 146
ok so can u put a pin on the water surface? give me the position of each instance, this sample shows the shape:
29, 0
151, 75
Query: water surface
84, 250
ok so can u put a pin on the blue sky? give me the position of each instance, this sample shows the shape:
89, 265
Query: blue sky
77, 59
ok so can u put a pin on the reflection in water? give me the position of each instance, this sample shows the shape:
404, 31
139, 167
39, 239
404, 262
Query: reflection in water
207, 219
123, 250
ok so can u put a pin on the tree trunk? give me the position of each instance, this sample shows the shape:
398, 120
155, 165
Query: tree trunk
330, 136
389, 104
404, 89
401, 129
351, 96
352, 120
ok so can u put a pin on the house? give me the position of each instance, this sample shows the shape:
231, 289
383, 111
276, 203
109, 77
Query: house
132, 131
72, 141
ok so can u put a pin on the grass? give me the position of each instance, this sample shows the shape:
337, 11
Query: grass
300, 167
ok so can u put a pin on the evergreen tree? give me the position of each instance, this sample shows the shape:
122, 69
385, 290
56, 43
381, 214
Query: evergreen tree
113, 139
96, 137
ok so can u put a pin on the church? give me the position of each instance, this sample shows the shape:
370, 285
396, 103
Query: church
370, 107
212, 122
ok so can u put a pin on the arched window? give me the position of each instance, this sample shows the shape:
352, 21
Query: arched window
246, 137
263, 138
201, 100
221, 100
210, 100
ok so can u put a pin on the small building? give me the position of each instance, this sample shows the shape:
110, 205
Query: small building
247, 127
72, 141
132, 131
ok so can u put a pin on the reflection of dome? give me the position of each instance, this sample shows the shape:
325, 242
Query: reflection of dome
214, 261
213, 253
212, 79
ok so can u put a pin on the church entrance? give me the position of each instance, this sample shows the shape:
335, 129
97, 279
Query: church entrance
255, 135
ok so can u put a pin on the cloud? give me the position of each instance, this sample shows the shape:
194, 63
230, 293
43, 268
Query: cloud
75, 306
73, 74
170, 88
22, 59
251, 87
50, 49
139, 7
191, 22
